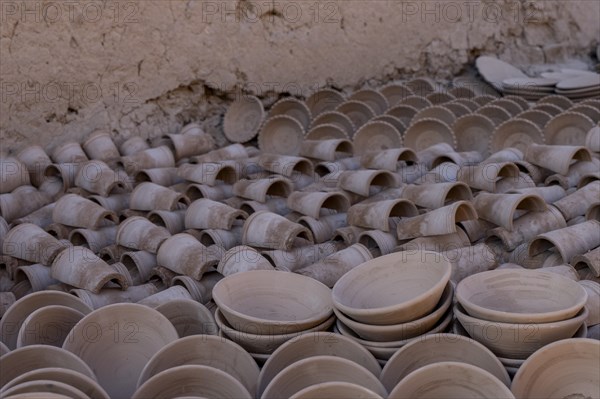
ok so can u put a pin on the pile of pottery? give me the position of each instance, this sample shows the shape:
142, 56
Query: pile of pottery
389, 301
572, 83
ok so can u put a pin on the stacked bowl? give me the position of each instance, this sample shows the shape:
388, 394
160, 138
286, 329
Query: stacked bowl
262, 309
515, 312
389, 301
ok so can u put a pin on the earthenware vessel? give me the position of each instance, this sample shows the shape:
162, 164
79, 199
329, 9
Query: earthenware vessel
388, 159
359, 112
335, 390
577, 203
293, 107
258, 190
326, 150
69, 152
269, 230
139, 233
29, 242
133, 145
427, 132
159, 157
437, 222
437, 195
378, 242
281, 134
501, 209
21, 202
568, 241
49, 325
191, 143
242, 259
184, 254
568, 128
14, 174
209, 214
589, 260
211, 174
377, 215
376, 136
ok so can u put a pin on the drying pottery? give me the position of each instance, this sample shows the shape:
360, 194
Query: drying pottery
513, 107
69, 153
326, 150
438, 112
191, 143
592, 139
516, 133
593, 302
568, 241
590, 260
160, 157
297, 258
388, 159
377, 215
429, 154
433, 196
497, 115
456, 380
276, 205
184, 254
139, 265
293, 107
174, 221
501, 209
336, 119
395, 92
376, 136
495, 71
225, 239
98, 178
437, 222
314, 204
548, 372
269, 230
556, 298
73, 210
358, 294
150, 196
578, 202
258, 190
29, 242
173, 293
441, 243
233, 151
439, 97
421, 86
242, 259
568, 128
81, 268
33, 357
195, 380
556, 157
417, 101
161, 176
244, 308
328, 131
378, 242
319, 369
404, 113
100, 146
330, 269
324, 100
21, 202
288, 166
133, 145
392, 120
188, 317
216, 193
358, 112
49, 325
209, 214
482, 100
211, 174
335, 390
550, 194
14, 174
427, 132
37, 276
458, 158
281, 134
473, 133
41, 217
459, 110
35, 159
486, 175
243, 119
139, 233
364, 182
374, 99
95, 240
141, 332
116, 202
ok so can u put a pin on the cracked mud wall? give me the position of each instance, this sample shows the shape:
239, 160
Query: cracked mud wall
146, 68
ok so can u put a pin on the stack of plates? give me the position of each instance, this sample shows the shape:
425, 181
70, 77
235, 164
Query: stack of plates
583, 85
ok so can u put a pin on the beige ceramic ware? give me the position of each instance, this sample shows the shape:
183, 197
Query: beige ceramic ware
243, 119
335, 390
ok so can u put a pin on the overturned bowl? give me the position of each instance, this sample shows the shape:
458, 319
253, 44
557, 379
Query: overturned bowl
520, 296
272, 302
392, 289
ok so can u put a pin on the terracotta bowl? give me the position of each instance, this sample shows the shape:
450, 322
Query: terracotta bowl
272, 302
403, 331
520, 296
393, 289
446, 380
117, 341
263, 343
189, 317
437, 348
518, 341
563, 369
335, 390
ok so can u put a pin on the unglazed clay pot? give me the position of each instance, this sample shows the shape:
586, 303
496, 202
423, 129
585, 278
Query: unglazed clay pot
173, 221
298, 258
242, 258
319, 369
548, 373
377, 215
577, 203
209, 214
246, 310
593, 302
388, 159
509, 340
35, 159
205, 350
450, 380
14, 174
470, 260
555, 157
188, 317
139, 233
81, 268
335, 390
159, 157
433, 196
28, 358
365, 296
161, 176
568, 241
166, 296
108, 296
98, 178
140, 333
149, 196
216, 193
326, 150
73, 210
29, 242
437, 222
184, 254
225, 239
139, 264
95, 240
315, 344
258, 190
269, 230
210, 174
196, 380
314, 204
556, 298
323, 229
49, 325
14, 317
484, 176
363, 182
21, 202
201, 290
501, 208
133, 145
191, 143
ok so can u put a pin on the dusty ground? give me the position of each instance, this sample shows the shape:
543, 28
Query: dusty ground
68, 68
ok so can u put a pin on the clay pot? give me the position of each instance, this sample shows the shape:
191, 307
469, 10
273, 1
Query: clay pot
258, 190
35, 159
331, 168
388, 159
442, 243
288, 166
160, 157
29, 242
81, 268
133, 145
550, 194
201, 381
326, 150
324, 100
183, 254
247, 311
276, 205
578, 173
450, 379
433, 196
411, 300
139, 233
115, 203
33, 357
501, 209
445, 172
485, 176
589, 260
314, 204
76, 211
470, 260
556, 298
543, 373
150, 196
458, 158
592, 139
95, 240
201, 290
69, 153
188, 317
555, 157
139, 264
101, 146
225, 239
377, 242
37, 276
323, 229
141, 332
172, 221
528, 226
242, 259
437, 222
577, 203
593, 302
233, 151
41, 217
209, 214
268, 230
317, 369
476, 229
108, 296
298, 258
21, 202
216, 193
567, 271
366, 182
568, 241
330, 269
49, 325
335, 390
13, 174
377, 215
191, 143
7, 299
161, 176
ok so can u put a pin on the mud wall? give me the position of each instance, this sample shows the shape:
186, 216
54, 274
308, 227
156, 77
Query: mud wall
145, 68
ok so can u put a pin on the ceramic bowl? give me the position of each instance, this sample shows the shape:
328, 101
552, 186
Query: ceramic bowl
392, 289
450, 380
403, 331
437, 348
117, 341
563, 369
189, 317
272, 302
263, 343
335, 390
518, 341
520, 296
